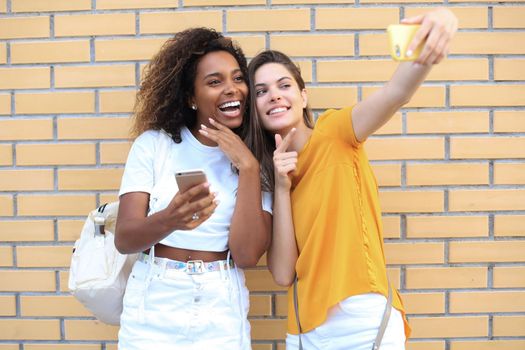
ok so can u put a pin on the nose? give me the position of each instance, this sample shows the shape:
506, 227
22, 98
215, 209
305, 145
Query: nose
275, 95
230, 88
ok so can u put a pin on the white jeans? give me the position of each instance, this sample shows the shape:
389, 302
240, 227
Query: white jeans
352, 325
166, 309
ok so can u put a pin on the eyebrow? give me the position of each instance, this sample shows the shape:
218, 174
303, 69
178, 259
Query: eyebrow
278, 80
217, 74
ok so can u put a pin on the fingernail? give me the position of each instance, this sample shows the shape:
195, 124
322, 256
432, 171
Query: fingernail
203, 132
409, 53
211, 120
216, 202
206, 184
203, 126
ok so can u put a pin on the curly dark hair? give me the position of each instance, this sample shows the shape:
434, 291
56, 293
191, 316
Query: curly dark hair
163, 101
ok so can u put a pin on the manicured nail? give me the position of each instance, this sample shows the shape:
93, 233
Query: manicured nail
203, 132
409, 53
203, 126
211, 120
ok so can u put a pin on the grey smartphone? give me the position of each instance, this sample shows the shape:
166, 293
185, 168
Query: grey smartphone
187, 179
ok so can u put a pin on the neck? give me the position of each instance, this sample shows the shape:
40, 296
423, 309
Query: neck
201, 138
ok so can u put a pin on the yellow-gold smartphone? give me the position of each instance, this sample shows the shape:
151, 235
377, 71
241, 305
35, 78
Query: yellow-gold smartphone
189, 178
399, 37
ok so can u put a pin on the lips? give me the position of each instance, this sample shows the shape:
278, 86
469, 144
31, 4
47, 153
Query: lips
230, 108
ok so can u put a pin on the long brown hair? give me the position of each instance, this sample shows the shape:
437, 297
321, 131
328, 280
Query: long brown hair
163, 101
260, 141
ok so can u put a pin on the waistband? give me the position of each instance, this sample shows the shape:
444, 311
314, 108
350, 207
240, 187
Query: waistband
192, 267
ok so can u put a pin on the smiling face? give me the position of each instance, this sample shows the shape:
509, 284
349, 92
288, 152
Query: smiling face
220, 90
279, 100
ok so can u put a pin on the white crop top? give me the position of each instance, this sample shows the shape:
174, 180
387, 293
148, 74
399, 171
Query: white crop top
140, 176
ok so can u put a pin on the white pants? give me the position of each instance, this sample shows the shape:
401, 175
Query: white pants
352, 325
166, 309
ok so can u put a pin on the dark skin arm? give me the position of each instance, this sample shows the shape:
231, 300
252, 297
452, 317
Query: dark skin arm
250, 233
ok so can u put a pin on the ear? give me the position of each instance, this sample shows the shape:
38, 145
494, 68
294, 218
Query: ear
304, 95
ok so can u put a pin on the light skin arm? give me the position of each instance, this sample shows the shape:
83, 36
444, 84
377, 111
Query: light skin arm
283, 252
250, 228
437, 28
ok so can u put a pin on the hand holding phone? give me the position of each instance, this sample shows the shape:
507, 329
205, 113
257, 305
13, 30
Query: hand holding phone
190, 178
400, 36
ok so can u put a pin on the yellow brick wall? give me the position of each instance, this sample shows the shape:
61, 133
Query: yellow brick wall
451, 165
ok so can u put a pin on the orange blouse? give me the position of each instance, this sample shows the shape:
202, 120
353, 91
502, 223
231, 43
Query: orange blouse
337, 221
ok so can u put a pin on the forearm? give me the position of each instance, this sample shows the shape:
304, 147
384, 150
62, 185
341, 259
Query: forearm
250, 229
283, 254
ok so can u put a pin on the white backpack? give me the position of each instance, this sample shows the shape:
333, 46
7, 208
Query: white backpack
99, 273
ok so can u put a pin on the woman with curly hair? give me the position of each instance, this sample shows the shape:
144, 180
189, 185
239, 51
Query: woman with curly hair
187, 290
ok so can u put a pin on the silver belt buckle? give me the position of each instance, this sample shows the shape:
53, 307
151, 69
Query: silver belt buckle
195, 267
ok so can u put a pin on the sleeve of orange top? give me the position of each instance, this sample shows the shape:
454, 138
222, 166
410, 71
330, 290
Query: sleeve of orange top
337, 123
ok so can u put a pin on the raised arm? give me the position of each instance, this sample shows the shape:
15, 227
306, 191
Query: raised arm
437, 28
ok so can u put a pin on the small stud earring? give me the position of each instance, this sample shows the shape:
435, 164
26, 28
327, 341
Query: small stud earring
194, 107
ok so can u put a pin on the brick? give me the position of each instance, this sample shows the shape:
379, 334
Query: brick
468, 17
287, 2
114, 153
55, 205
493, 301
414, 253
268, 20
127, 49
251, 45
44, 256
95, 24
25, 78
3, 9
49, 306
63, 278
268, 329
108, 197
411, 201
69, 230
391, 226
261, 280
426, 96
331, 97
26, 230
482, 42
460, 69
447, 226
388, 174
134, 4
7, 306
260, 305
486, 200
13, 329
50, 52
55, 102
502, 251
89, 330
508, 326
55, 154
392, 127
223, 2
27, 281
373, 44
405, 148
5, 104
314, 45
355, 18
487, 95
6, 154
446, 277
424, 303
24, 27
63, 347
487, 345
95, 76
169, 22
509, 277
447, 174
281, 305
49, 6
509, 121
6, 256
27, 180
447, 122
89, 179
509, 225
3, 53
487, 147
509, 173
509, 69
306, 69
394, 276
117, 101
355, 71
6, 205
424, 345
26, 129
508, 17
449, 327
262, 347
100, 128
9, 347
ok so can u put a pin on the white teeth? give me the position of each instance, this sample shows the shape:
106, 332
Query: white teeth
277, 110
230, 104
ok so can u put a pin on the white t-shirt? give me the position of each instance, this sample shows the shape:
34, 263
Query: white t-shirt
140, 175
